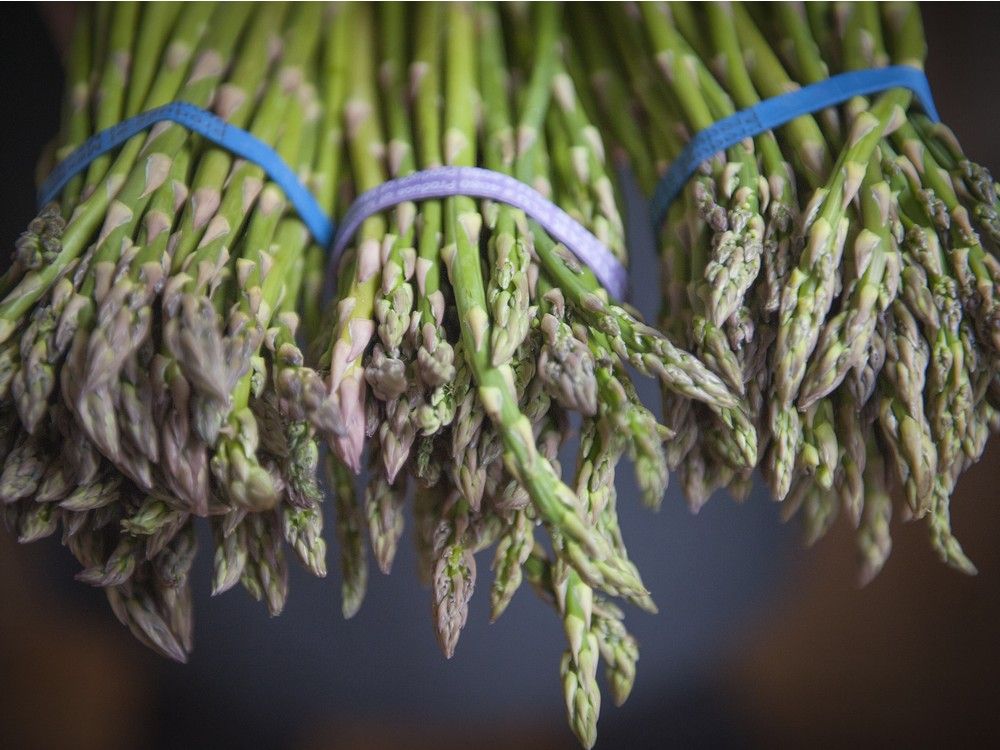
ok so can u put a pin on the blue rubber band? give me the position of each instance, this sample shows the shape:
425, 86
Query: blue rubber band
776, 111
215, 129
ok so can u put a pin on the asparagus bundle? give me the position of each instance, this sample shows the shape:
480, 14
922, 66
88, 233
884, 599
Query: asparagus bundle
151, 371
841, 271
464, 337
149, 319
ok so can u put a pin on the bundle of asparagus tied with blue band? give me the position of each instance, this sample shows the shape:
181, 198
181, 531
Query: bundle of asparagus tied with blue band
840, 271
149, 318
154, 366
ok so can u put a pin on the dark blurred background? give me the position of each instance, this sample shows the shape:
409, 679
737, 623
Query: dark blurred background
758, 643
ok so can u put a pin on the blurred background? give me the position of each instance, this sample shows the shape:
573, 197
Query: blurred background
759, 643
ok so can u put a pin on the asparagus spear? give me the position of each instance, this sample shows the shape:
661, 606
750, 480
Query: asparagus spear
355, 326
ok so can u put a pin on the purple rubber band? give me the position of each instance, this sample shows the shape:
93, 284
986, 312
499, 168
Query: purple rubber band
475, 182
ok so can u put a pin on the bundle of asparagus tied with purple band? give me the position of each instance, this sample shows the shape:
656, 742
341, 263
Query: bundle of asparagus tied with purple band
464, 338
154, 366
840, 272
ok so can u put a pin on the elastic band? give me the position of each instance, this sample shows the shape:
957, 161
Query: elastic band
215, 129
776, 111
444, 182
